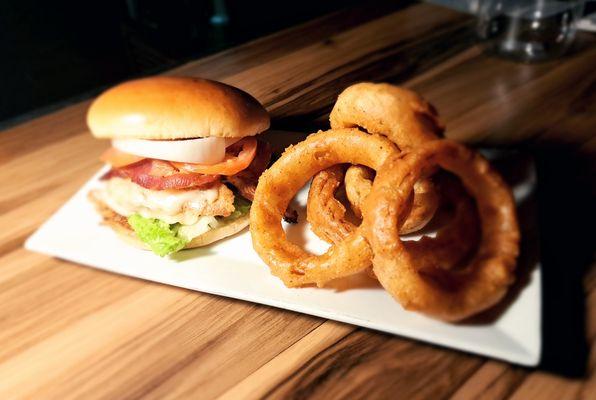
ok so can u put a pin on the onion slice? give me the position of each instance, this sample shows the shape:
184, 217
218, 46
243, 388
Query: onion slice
209, 150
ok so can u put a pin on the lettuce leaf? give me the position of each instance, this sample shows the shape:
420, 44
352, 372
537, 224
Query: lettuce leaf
165, 239
160, 236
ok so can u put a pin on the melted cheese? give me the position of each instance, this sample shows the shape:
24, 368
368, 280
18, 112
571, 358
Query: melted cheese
172, 206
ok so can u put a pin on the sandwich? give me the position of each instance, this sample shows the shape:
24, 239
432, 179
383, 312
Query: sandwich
184, 161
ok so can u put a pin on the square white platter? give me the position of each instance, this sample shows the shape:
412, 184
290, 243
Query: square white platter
231, 268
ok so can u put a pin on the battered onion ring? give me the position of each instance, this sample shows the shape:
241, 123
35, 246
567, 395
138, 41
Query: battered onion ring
404, 117
358, 183
401, 115
452, 295
454, 240
325, 213
278, 185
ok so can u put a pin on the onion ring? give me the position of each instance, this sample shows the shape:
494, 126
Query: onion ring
454, 240
278, 185
358, 183
452, 295
325, 213
400, 114
379, 108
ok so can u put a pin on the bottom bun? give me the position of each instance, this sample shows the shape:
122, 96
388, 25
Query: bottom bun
211, 236
120, 225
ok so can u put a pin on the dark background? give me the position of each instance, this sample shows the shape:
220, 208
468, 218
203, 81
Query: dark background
56, 52
64, 50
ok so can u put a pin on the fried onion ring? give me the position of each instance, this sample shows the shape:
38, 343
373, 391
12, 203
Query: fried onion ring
400, 114
455, 238
278, 185
379, 108
358, 183
450, 295
325, 213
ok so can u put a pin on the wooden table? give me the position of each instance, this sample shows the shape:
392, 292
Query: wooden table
72, 332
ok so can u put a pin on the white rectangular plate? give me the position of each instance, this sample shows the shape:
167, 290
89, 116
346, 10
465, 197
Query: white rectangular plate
231, 268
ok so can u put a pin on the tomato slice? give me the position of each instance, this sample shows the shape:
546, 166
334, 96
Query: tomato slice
246, 180
232, 164
117, 158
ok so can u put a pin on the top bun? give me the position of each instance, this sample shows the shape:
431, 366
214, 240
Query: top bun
166, 107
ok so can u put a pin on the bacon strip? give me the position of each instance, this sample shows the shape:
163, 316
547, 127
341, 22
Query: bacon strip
160, 175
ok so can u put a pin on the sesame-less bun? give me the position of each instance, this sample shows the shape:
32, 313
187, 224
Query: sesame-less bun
166, 107
211, 236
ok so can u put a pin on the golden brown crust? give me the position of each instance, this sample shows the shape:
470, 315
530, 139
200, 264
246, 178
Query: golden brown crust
327, 215
458, 236
400, 114
111, 218
397, 113
278, 185
358, 183
324, 212
166, 107
425, 205
223, 206
452, 295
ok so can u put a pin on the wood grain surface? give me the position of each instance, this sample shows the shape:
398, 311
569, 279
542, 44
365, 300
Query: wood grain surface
72, 332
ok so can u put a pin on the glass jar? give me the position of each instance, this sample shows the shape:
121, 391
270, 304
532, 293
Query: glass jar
528, 30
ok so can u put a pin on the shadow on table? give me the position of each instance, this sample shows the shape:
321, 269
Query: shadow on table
557, 226
566, 215
519, 170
